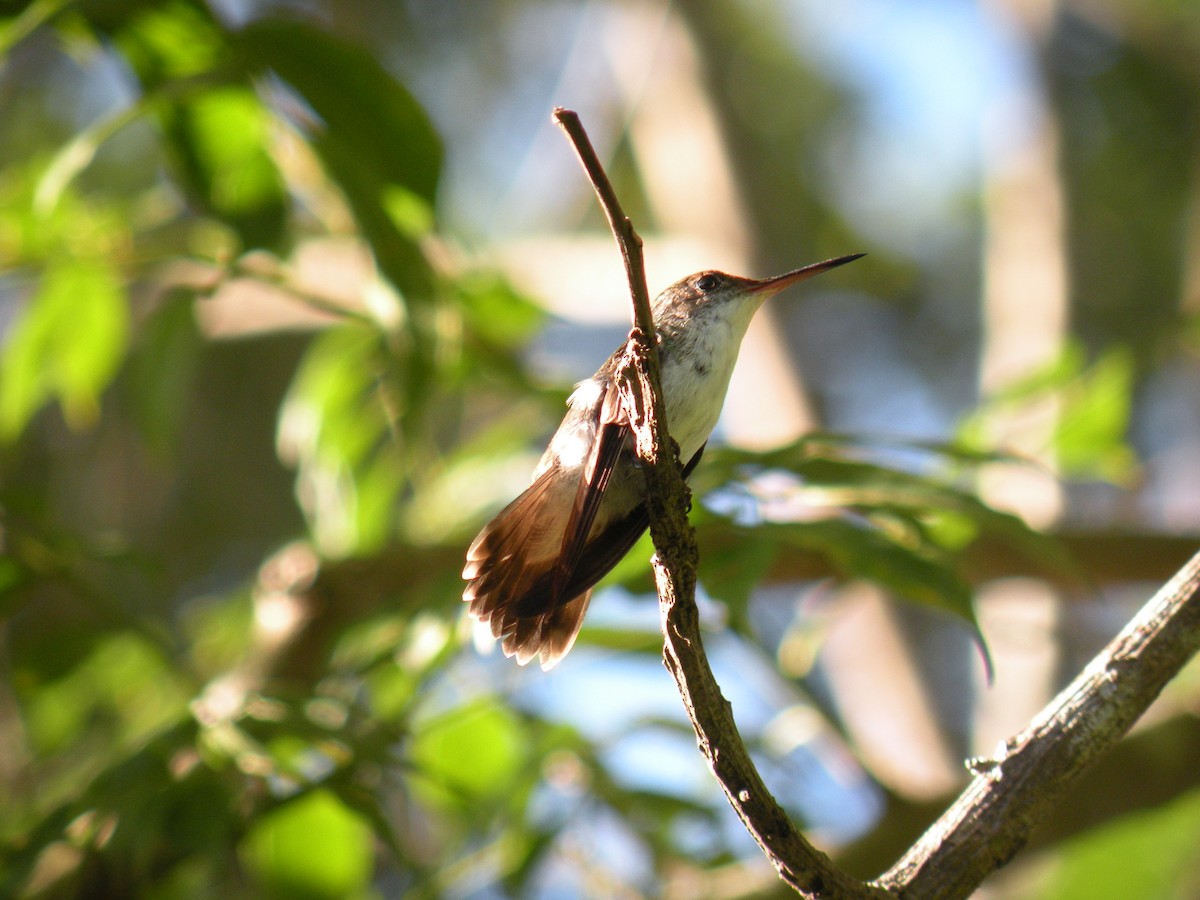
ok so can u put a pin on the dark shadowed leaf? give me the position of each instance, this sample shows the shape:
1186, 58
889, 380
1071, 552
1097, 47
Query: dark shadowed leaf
355, 99
731, 572
160, 370
369, 130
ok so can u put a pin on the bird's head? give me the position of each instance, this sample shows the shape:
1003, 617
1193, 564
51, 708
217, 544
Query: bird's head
709, 292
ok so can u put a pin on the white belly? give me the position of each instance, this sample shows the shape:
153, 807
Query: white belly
694, 389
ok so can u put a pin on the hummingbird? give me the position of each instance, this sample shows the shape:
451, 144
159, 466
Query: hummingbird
531, 570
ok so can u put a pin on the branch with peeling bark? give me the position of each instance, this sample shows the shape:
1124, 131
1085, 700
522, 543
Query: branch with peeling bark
994, 816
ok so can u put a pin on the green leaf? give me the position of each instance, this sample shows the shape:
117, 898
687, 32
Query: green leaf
467, 483
731, 572
76, 155
913, 572
66, 345
160, 370
1090, 438
497, 312
1094, 403
12, 576
477, 751
15, 29
359, 103
220, 139
313, 847
931, 504
124, 682
1148, 854
862, 551
904, 531
372, 135
379, 147
163, 39
219, 632
335, 429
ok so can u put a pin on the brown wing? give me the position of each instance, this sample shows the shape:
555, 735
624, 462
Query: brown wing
612, 436
602, 553
534, 545
533, 586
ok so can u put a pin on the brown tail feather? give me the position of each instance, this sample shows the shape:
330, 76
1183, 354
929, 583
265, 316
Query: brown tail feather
498, 563
518, 597
549, 635
512, 554
504, 568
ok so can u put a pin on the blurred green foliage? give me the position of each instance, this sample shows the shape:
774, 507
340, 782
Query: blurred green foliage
1093, 402
67, 345
1150, 854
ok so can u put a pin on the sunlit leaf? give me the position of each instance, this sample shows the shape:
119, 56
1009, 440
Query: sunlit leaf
862, 551
476, 750
220, 140
123, 680
496, 311
389, 690
1090, 439
66, 346
876, 447
76, 156
634, 567
312, 847
934, 498
453, 498
1148, 854
1092, 401
334, 427
410, 213
902, 530
166, 39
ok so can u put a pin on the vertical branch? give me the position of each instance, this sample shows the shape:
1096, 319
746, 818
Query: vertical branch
628, 240
799, 864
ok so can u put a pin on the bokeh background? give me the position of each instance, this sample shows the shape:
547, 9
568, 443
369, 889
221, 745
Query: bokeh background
291, 295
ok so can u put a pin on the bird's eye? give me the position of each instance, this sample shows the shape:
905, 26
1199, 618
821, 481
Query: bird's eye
707, 283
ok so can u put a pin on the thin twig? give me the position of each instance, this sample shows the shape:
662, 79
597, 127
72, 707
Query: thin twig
628, 240
799, 864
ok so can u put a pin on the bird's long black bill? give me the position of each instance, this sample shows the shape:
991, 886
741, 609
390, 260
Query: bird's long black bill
787, 279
